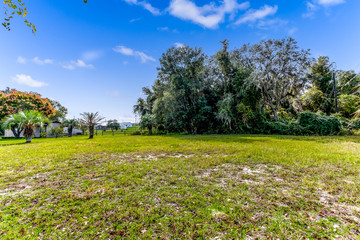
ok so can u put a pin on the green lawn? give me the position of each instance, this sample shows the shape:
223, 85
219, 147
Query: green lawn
180, 187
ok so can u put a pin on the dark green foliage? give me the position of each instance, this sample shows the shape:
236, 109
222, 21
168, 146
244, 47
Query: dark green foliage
319, 124
355, 124
244, 91
113, 124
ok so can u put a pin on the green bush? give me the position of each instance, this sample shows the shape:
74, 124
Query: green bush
136, 133
319, 124
286, 128
308, 123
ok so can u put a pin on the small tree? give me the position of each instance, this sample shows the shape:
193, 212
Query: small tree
147, 122
70, 124
91, 120
113, 124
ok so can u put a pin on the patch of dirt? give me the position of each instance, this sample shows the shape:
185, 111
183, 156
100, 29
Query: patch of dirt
259, 174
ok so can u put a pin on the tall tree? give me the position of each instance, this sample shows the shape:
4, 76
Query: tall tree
61, 111
179, 90
278, 70
320, 75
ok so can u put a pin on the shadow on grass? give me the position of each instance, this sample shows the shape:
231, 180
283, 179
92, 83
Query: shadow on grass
11, 144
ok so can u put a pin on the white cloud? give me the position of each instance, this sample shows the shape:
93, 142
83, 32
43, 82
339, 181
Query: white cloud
252, 15
130, 52
134, 20
208, 16
268, 24
179, 45
167, 29
28, 81
21, 60
145, 5
314, 5
327, 3
292, 31
76, 64
124, 50
311, 9
42, 62
163, 29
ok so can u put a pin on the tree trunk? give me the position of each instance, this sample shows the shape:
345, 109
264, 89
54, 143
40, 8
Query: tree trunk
91, 132
275, 114
70, 130
150, 130
15, 132
274, 110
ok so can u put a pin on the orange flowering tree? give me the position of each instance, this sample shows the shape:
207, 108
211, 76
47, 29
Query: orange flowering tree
16, 101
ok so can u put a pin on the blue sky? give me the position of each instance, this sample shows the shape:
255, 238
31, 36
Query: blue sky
97, 56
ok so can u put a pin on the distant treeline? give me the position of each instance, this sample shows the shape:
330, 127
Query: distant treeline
271, 87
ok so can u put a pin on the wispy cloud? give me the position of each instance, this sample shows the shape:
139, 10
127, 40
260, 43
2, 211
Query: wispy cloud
313, 6
28, 81
209, 15
252, 16
134, 20
179, 45
327, 3
167, 29
145, 5
91, 55
72, 65
21, 60
42, 62
131, 52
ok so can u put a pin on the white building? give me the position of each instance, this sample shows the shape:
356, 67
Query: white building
74, 131
125, 125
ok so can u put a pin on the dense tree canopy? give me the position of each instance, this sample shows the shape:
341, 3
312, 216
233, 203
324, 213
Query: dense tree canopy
260, 88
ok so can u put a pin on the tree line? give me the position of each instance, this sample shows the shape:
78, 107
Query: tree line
272, 86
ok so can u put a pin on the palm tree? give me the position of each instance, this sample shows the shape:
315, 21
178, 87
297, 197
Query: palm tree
25, 121
91, 120
70, 124
14, 123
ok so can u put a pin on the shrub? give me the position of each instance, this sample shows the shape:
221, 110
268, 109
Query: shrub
43, 133
57, 132
136, 133
319, 124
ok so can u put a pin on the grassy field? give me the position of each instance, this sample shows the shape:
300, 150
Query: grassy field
180, 187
